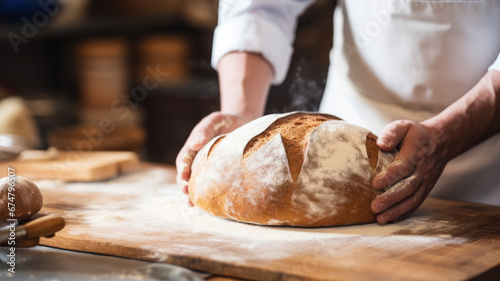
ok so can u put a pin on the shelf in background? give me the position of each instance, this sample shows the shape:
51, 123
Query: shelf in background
97, 26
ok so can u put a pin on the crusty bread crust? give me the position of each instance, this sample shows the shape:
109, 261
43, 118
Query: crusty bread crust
294, 130
302, 169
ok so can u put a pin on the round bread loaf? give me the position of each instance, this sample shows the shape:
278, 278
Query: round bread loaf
296, 169
25, 196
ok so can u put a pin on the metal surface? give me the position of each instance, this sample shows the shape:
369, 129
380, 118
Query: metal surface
44, 264
5, 232
11, 146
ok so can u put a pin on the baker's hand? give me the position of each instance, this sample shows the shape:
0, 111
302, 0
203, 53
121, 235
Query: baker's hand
417, 167
215, 124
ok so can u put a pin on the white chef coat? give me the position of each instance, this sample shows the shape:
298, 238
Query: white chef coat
391, 60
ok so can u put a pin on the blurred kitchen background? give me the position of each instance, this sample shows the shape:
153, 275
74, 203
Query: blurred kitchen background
130, 75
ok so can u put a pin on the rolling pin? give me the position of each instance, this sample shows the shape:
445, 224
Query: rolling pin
44, 226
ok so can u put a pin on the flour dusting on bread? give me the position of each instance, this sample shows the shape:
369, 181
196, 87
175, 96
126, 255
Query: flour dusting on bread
303, 169
336, 152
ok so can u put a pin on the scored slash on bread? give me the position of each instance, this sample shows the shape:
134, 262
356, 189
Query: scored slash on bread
297, 169
294, 130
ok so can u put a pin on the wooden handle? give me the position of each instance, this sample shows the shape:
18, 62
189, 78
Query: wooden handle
28, 243
44, 226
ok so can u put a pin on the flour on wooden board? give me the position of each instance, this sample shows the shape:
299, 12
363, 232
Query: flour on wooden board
149, 207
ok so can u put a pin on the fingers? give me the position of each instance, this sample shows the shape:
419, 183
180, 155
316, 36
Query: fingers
402, 209
189, 202
198, 143
201, 135
210, 127
413, 173
396, 171
412, 151
183, 162
392, 134
401, 190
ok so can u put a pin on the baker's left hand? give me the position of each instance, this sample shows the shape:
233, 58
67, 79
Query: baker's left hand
417, 167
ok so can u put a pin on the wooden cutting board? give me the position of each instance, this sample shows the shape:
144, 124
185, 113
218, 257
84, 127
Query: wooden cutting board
143, 216
72, 166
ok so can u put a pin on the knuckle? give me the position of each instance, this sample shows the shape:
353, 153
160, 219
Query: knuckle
178, 159
389, 177
393, 198
393, 127
416, 199
390, 129
404, 168
188, 157
199, 130
206, 122
180, 177
415, 157
423, 142
412, 184
390, 126
178, 165
217, 116
400, 122
213, 115
403, 123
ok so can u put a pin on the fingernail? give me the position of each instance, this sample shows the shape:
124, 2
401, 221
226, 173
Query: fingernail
379, 207
382, 220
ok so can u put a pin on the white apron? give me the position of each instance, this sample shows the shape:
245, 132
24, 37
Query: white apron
409, 60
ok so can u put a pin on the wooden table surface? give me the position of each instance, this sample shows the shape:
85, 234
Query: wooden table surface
127, 217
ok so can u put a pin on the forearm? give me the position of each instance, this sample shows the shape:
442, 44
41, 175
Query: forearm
244, 79
471, 119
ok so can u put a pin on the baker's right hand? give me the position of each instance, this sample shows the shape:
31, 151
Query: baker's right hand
215, 124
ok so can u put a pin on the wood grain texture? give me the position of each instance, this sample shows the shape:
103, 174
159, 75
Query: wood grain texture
443, 240
73, 166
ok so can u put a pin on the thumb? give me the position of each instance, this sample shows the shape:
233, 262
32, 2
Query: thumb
210, 127
202, 134
392, 134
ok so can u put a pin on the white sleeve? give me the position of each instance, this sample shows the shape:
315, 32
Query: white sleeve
259, 26
496, 64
